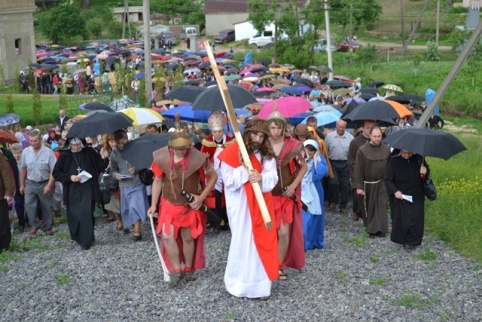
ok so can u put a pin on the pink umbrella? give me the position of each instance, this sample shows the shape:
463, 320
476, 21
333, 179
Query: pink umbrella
343, 78
287, 106
244, 71
102, 56
266, 89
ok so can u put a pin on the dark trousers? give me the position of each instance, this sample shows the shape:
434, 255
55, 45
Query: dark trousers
339, 184
5, 234
219, 211
20, 209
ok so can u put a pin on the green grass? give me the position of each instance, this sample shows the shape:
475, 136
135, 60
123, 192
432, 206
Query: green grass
374, 258
411, 300
4, 269
360, 240
63, 279
455, 216
377, 280
23, 107
428, 254
62, 236
6, 257
340, 277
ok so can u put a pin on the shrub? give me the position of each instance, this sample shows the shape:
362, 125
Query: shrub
432, 51
115, 29
95, 27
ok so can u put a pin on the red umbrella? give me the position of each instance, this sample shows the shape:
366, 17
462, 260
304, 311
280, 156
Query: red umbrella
221, 54
343, 78
205, 58
156, 56
165, 57
287, 106
245, 71
266, 89
248, 86
7, 137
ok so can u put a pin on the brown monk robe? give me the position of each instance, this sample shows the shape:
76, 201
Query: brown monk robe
355, 145
370, 163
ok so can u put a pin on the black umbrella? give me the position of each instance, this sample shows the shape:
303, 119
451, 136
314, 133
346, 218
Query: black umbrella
259, 69
125, 52
96, 106
211, 99
50, 66
159, 51
139, 151
427, 143
376, 84
367, 96
402, 99
369, 90
414, 97
206, 64
185, 93
99, 123
228, 56
265, 62
324, 69
338, 84
35, 65
111, 60
304, 81
193, 82
207, 84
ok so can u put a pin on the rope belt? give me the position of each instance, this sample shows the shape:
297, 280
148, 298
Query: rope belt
365, 195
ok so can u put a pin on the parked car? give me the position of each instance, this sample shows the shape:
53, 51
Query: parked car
345, 46
186, 31
321, 45
169, 36
225, 36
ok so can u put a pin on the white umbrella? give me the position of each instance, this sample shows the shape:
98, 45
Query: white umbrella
142, 115
392, 87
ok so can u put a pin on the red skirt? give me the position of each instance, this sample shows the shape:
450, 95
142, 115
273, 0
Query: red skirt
284, 209
180, 216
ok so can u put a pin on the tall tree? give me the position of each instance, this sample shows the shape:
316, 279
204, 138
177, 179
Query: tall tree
260, 14
365, 12
63, 22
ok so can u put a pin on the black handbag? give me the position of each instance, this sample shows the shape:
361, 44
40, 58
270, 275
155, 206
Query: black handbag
107, 182
429, 189
146, 176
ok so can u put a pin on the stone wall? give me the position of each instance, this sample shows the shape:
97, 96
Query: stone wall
17, 39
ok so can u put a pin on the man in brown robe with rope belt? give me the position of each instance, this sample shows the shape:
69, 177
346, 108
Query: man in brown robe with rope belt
370, 163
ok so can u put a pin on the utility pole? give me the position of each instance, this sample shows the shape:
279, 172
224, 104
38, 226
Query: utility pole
147, 49
415, 28
437, 27
328, 39
403, 22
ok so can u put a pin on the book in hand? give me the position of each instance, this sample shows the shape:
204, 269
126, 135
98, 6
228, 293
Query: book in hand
407, 197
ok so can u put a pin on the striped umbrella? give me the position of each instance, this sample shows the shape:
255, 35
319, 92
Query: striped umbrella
142, 115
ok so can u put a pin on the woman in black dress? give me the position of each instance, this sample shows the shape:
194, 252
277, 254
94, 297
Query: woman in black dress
403, 179
80, 197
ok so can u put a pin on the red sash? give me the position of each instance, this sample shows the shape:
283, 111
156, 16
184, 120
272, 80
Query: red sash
266, 241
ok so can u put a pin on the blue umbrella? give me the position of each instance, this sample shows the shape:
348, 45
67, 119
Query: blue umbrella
292, 90
241, 111
297, 119
324, 118
186, 113
140, 75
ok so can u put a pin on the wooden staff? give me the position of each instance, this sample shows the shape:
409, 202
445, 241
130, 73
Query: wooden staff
228, 103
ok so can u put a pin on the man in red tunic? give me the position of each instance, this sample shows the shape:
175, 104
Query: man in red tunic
291, 168
181, 168
212, 146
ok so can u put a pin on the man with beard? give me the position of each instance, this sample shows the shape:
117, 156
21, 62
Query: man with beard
370, 163
357, 142
253, 254
212, 146
180, 168
291, 168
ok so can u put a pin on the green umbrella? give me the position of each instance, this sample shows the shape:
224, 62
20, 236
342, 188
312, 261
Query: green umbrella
232, 77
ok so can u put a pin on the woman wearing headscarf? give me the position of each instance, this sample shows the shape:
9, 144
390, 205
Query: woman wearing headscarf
133, 198
312, 195
80, 192
404, 176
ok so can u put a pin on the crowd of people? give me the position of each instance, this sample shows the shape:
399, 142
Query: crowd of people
201, 181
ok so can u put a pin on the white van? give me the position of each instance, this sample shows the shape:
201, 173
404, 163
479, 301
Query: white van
186, 31
260, 40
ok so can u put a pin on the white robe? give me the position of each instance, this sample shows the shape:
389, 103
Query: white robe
245, 274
